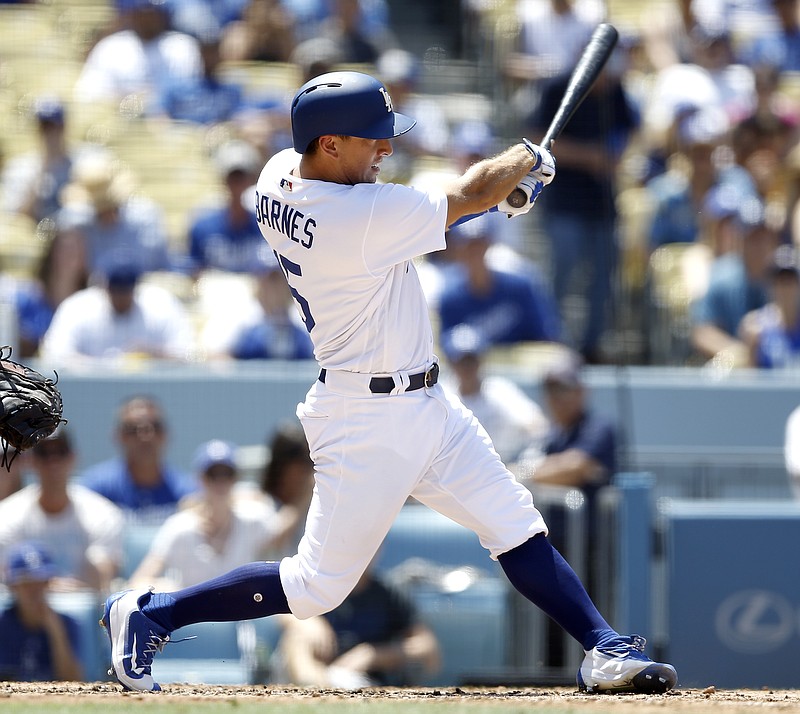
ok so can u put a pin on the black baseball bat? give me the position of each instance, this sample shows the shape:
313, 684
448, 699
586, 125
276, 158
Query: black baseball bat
583, 77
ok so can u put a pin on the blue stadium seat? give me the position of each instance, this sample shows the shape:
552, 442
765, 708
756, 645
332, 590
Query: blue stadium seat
471, 626
455, 586
420, 532
136, 542
220, 654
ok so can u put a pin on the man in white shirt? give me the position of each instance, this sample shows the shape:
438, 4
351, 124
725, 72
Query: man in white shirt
123, 318
81, 529
139, 59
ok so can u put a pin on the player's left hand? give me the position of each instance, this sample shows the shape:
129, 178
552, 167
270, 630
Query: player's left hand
531, 187
544, 169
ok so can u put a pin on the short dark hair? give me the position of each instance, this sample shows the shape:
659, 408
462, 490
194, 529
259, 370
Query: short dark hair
287, 445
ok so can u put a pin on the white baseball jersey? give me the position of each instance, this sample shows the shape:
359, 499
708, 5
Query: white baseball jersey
346, 252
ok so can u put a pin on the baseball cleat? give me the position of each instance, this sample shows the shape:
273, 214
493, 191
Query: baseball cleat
622, 666
134, 639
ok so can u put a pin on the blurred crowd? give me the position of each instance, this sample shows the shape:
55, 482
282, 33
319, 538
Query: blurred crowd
138, 520
669, 237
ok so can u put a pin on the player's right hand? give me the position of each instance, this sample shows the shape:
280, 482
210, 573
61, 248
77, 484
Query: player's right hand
544, 169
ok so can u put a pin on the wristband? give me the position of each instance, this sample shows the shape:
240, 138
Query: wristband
532, 150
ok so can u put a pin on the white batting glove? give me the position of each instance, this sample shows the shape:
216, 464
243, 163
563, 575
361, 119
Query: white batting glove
544, 169
522, 197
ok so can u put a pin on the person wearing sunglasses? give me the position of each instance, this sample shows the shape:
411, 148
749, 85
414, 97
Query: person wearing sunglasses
139, 479
213, 530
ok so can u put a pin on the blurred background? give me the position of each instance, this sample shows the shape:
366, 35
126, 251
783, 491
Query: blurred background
662, 260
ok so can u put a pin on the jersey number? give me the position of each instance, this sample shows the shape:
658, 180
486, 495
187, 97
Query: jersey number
290, 268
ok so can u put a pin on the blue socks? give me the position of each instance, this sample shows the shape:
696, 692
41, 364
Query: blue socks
254, 590
245, 593
542, 575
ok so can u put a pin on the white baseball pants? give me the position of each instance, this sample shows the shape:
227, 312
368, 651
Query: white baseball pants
371, 452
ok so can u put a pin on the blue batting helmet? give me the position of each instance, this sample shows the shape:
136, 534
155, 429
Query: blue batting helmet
348, 103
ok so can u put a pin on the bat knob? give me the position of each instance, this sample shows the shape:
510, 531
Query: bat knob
517, 198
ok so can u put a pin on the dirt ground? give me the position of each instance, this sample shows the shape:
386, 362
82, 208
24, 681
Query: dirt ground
696, 700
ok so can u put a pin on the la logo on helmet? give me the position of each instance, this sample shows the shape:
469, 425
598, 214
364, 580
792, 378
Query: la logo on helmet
387, 99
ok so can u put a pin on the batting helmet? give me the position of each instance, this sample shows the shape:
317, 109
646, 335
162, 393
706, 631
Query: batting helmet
348, 103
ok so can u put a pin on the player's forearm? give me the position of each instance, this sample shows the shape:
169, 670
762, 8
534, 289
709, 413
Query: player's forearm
488, 182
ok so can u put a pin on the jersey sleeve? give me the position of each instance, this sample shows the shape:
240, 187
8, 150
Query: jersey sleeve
405, 223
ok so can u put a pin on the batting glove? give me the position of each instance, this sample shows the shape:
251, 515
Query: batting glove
522, 198
544, 169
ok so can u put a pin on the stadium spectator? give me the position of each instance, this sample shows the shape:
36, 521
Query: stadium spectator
718, 219
140, 480
81, 530
550, 38
31, 183
138, 59
666, 36
360, 28
401, 73
315, 56
772, 332
227, 237
102, 204
679, 194
265, 32
580, 219
37, 644
513, 420
275, 331
504, 306
711, 80
373, 638
581, 446
737, 285
62, 271
121, 319
779, 48
196, 17
213, 531
288, 479
208, 99
580, 450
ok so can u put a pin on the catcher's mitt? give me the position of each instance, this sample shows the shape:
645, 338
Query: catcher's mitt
30, 407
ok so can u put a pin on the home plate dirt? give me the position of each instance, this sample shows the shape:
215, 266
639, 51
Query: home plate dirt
696, 700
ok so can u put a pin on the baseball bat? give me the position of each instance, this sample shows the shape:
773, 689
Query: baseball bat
583, 77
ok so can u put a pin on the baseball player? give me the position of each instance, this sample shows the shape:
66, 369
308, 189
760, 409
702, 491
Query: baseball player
379, 426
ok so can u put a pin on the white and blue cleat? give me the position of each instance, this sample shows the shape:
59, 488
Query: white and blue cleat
135, 639
622, 666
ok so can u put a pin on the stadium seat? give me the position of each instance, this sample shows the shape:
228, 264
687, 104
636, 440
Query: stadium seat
136, 542
471, 625
421, 533
223, 653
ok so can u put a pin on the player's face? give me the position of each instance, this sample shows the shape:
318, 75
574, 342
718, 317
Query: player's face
360, 159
